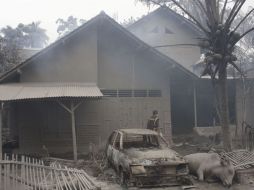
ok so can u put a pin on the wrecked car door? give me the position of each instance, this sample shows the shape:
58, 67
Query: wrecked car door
116, 150
110, 148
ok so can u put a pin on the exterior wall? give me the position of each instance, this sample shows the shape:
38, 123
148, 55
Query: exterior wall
128, 66
47, 123
244, 105
145, 30
239, 107
97, 119
132, 67
75, 60
182, 106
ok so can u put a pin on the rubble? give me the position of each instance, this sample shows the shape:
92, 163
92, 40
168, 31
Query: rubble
96, 166
35, 174
243, 161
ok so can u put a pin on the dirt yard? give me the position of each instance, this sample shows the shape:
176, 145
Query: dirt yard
198, 186
108, 180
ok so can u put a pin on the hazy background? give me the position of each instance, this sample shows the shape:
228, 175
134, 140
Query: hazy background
14, 12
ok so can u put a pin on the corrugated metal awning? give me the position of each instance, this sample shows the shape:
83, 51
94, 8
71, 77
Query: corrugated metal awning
23, 91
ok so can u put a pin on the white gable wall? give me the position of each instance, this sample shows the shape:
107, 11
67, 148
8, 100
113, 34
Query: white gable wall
152, 30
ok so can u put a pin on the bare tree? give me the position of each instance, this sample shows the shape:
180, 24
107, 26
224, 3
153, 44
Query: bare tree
35, 36
220, 36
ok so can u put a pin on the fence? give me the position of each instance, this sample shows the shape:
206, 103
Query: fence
22, 173
248, 138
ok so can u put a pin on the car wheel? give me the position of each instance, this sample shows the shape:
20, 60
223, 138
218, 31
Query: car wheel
123, 178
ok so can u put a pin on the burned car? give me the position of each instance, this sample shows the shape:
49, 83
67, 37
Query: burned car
142, 157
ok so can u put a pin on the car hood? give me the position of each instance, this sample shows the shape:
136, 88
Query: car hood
153, 154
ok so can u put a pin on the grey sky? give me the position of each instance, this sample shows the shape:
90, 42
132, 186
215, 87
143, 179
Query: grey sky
48, 11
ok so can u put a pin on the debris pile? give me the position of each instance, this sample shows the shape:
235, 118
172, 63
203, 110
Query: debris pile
94, 164
34, 174
243, 161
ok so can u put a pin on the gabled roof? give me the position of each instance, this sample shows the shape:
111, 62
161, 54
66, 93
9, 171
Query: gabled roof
101, 17
171, 14
25, 53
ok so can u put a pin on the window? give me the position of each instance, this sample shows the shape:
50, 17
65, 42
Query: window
117, 141
131, 93
153, 140
109, 93
140, 93
112, 138
124, 93
154, 93
139, 141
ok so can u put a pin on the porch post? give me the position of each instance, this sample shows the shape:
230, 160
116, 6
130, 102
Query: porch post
195, 106
73, 127
71, 110
1, 126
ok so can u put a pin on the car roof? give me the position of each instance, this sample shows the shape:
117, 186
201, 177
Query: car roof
138, 131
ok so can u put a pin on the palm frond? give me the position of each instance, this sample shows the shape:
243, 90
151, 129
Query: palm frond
223, 10
243, 19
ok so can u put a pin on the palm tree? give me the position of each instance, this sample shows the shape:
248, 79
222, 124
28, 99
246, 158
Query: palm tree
35, 36
13, 36
26, 36
220, 38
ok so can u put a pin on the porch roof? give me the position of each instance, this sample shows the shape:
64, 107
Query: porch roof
39, 90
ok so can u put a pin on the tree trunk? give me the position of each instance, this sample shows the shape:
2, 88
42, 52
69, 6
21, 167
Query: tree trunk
223, 109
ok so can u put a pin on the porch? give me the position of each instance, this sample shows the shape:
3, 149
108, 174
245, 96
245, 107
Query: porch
34, 112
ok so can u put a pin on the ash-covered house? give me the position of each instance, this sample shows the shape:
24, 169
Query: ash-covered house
178, 38
77, 90
245, 105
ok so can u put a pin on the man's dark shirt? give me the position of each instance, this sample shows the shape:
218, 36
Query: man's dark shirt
153, 122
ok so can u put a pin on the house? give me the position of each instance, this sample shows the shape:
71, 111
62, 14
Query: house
26, 53
97, 78
244, 107
244, 96
178, 38
171, 34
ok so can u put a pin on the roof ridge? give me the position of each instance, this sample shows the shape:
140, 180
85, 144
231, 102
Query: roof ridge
169, 10
150, 47
83, 26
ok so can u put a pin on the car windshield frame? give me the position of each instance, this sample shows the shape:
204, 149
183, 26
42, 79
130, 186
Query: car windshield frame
142, 141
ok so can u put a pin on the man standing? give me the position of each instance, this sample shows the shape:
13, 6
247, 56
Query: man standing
153, 122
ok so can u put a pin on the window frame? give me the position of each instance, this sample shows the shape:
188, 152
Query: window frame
116, 138
111, 138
